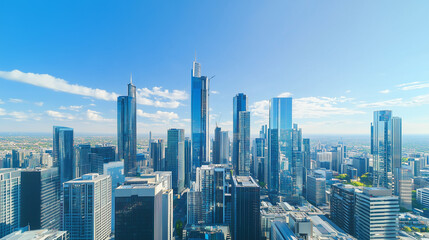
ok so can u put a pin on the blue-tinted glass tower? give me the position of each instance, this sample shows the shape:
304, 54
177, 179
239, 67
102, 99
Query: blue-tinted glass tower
239, 105
63, 152
127, 131
199, 118
175, 158
279, 137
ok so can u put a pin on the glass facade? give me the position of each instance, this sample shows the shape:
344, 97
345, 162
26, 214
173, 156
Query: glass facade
127, 131
10, 199
175, 158
63, 152
199, 118
244, 144
239, 104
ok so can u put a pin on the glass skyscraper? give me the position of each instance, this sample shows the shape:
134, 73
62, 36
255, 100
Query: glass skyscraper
244, 144
199, 118
175, 158
239, 105
278, 139
127, 131
386, 140
10, 200
63, 152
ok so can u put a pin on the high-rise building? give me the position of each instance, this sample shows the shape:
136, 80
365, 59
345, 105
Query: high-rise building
279, 124
342, 206
40, 198
244, 144
377, 214
188, 162
63, 152
144, 210
16, 159
194, 204
211, 182
258, 156
107, 153
316, 190
87, 207
225, 148
239, 105
422, 195
337, 158
199, 118
82, 163
217, 146
157, 155
307, 153
403, 187
175, 158
127, 131
245, 211
386, 143
361, 164
116, 171
10, 199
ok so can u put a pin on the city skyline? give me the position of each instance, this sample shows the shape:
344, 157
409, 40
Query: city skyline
78, 86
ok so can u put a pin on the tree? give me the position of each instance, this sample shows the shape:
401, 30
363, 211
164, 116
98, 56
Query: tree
366, 179
415, 229
406, 229
262, 184
343, 177
179, 228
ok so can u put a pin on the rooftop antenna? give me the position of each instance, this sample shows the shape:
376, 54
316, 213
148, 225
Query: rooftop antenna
131, 78
195, 58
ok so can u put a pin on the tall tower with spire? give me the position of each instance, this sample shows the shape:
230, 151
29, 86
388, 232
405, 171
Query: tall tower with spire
127, 130
200, 118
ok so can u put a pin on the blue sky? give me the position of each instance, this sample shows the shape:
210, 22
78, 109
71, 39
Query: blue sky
339, 60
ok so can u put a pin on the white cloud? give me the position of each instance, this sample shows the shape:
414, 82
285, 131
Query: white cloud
60, 115
187, 120
398, 102
19, 116
1, 101
72, 108
348, 91
214, 92
386, 91
40, 104
158, 116
15, 100
2, 112
57, 84
159, 97
285, 94
413, 85
96, 116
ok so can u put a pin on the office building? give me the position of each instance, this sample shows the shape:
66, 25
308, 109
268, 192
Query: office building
40, 199
245, 211
144, 210
244, 144
316, 190
217, 145
212, 232
127, 131
403, 187
199, 118
116, 172
225, 147
361, 165
386, 143
239, 105
175, 158
281, 231
422, 195
258, 155
194, 204
16, 156
337, 158
87, 207
41, 234
280, 121
188, 162
301, 225
307, 153
377, 214
82, 163
157, 155
10, 199
211, 182
342, 206
63, 152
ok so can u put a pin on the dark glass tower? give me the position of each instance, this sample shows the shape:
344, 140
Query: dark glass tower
199, 118
40, 199
217, 144
63, 152
188, 162
279, 138
246, 220
127, 131
239, 105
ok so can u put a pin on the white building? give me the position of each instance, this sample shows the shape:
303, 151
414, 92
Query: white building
10, 200
87, 207
423, 196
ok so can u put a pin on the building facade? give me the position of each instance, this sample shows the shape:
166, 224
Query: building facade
175, 158
63, 152
10, 198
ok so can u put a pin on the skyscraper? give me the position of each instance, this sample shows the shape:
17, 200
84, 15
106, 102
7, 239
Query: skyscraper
217, 145
244, 144
157, 155
144, 210
386, 142
225, 148
342, 206
316, 192
116, 171
199, 118
403, 187
239, 105
188, 162
40, 192
82, 164
377, 214
175, 158
127, 131
307, 153
63, 152
10, 199
87, 207
246, 220
279, 124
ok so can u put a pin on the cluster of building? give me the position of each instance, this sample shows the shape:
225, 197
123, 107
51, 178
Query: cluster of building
276, 186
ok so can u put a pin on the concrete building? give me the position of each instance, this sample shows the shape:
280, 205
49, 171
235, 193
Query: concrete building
41, 234
10, 199
342, 206
316, 192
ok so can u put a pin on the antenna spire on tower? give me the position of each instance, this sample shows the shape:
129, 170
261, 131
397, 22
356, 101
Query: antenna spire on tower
131, 78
